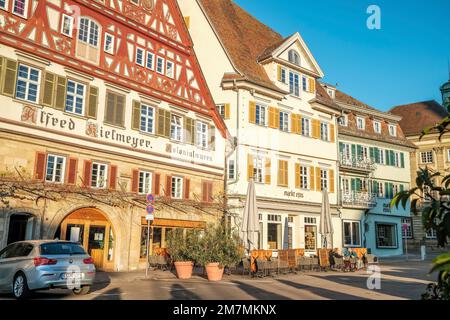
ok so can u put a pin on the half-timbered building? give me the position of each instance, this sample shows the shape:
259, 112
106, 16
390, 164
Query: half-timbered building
102, 103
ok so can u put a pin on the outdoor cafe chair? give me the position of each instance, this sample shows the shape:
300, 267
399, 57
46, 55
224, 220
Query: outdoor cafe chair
272, 265
283, 266
315, 265
162, 263
262, 268
246, 267
152, 261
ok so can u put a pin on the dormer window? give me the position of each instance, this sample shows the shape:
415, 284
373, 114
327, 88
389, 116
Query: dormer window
361, 123
343, 120
294, 57
393, 130
377, 127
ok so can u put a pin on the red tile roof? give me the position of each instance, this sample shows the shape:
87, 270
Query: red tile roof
244, 37
418, 116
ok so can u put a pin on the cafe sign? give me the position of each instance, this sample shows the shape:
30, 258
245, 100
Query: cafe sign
92, 129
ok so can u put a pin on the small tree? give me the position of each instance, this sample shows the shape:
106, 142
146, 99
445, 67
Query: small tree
218, 245
435, 188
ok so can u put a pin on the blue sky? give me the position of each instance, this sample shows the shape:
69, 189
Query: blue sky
406, 61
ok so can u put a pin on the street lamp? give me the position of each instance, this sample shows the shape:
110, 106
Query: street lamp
445, 90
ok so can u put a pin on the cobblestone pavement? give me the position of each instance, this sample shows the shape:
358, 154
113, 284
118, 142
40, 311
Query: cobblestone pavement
400, 279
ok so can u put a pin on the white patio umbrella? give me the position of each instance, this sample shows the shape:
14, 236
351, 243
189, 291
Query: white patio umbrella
250, 223
326, 226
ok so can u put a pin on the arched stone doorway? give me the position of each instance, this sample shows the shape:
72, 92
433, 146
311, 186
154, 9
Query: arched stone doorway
20, 227
91, 228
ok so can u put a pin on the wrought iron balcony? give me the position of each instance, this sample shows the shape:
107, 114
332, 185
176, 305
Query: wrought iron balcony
361, 199
356, 163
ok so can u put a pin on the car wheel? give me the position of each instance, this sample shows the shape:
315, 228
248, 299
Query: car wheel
20, 286
82, 291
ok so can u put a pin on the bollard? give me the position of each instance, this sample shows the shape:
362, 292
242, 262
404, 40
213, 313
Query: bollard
423, 252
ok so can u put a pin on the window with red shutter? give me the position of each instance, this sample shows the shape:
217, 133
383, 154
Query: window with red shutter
39, 170
72, 171
135, 181
207, 191
157, 184
210, 193
187, 188
113, 177
168, 191
87, 174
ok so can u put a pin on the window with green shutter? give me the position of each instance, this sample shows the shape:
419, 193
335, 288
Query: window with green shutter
9, 77
190, 130
163, 123
402, 160
60, 97
115, 107
49, 89
91, 111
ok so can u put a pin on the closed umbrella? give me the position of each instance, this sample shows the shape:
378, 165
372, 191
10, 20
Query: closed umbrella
250, 223
326, 227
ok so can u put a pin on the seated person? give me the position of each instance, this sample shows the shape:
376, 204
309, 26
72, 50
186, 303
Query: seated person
334, 254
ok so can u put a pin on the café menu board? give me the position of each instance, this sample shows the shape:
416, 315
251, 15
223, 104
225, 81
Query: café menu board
324, 258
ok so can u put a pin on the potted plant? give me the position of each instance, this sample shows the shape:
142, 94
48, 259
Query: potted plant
219, 248
182, 250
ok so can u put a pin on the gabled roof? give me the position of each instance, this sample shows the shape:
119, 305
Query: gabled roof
420, 115
243, 37
278, 48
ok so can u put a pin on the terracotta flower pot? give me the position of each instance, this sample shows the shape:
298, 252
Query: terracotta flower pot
214, 272
184, 269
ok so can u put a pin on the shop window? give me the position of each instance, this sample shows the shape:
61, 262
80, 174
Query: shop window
274, 236
352, 234
386, 236
310, 234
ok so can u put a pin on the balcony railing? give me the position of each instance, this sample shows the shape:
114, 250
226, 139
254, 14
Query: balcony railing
359, 199
358, 163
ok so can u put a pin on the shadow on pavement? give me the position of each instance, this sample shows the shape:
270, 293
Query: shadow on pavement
400, 289
321, 292
178, 292
113, 294
258, 293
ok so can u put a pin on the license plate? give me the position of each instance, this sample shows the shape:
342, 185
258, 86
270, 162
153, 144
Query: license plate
73, 276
